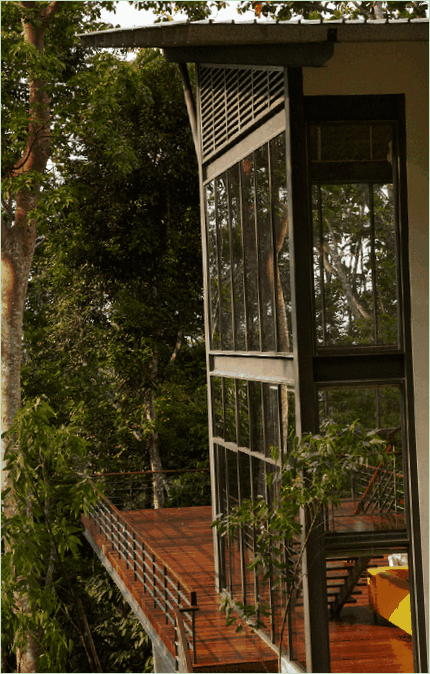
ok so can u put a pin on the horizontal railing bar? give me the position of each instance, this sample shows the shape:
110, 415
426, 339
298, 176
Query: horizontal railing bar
167, 590
117, 513
151, 472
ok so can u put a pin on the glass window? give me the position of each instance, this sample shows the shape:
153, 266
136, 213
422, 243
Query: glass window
354, 224
281, 243
212, 238
373, 498
225, 264
248, 254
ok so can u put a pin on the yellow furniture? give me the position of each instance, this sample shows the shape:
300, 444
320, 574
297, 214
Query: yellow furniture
389, 595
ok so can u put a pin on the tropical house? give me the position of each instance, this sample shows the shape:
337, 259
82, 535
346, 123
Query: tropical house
312, 141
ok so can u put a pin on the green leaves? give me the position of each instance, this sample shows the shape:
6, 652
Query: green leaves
313, 475
39, 526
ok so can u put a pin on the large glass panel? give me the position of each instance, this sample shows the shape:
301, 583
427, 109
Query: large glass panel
288, 416
296, 605
214, 300
355, 266
222, 212
237, 259
385, 265
281, 241
230, 410
247, 530
256, 416
250, 253
234, 540
265, 250
343, 241
370, 617
243, 409
373, 497
221, 509
217, 407
271, 419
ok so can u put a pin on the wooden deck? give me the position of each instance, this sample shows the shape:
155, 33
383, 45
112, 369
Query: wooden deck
183, 539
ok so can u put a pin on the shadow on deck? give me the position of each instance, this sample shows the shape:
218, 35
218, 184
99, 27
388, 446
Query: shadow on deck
179, 543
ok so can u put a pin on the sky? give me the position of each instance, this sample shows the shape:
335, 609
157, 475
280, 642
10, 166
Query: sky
127, 17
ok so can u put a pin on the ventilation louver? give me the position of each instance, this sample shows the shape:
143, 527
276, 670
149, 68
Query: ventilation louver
234, 98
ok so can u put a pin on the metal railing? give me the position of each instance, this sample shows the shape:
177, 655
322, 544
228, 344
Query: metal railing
169, 593
379, 490
135, 490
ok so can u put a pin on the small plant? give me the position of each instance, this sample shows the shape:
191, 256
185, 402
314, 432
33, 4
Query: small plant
313, 474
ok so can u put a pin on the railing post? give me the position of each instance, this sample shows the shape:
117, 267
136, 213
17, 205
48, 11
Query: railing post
144, 555
154, 580
165, 592
134, 559
193, 624
118, 537
125, 544
111, 529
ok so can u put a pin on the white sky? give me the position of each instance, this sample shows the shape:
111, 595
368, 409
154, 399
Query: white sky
127, 17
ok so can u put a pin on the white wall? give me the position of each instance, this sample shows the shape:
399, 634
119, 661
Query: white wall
399, 68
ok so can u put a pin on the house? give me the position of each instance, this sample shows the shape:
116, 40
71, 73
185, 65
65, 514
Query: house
312, 140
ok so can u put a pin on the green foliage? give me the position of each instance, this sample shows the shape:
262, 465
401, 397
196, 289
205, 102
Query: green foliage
40, 529
117, 277
312, 475
285, 11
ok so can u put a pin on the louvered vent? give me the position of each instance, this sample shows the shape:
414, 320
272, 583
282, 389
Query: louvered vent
234, 98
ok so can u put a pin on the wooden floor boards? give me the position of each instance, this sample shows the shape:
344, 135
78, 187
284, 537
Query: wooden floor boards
182, 537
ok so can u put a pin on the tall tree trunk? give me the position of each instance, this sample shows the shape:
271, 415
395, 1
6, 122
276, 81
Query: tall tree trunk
154, 453
18, 245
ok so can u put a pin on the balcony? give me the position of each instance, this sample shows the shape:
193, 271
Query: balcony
163, 562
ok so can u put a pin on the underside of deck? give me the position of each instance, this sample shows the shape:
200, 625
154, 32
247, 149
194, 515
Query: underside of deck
182, 537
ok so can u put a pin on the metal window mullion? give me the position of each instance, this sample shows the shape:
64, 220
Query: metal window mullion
230, 236
227, 494
218, 260
257, 241
243, 241
373, 262
241, 533
275, 288
321, 262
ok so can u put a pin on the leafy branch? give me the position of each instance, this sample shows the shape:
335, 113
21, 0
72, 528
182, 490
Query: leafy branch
311, 476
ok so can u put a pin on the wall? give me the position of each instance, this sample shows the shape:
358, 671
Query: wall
395, 68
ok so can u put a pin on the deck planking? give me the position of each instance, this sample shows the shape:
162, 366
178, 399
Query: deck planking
183, 538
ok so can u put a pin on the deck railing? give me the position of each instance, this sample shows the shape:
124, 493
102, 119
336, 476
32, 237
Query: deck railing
135, 490
169, 593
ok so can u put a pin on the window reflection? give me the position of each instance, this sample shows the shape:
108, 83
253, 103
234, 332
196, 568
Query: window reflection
355, 267
373, 499
248, 254
247, 470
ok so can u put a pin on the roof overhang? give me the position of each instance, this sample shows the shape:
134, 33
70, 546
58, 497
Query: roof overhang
295, 43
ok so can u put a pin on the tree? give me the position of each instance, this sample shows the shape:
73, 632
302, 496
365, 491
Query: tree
92, 320
129, 246
39, 50
285, 11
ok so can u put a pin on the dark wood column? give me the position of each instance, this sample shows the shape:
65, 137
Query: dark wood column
314, 586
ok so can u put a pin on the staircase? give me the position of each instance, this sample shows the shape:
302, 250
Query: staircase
347, 580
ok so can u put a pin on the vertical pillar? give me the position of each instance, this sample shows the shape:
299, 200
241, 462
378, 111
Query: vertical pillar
300, 232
